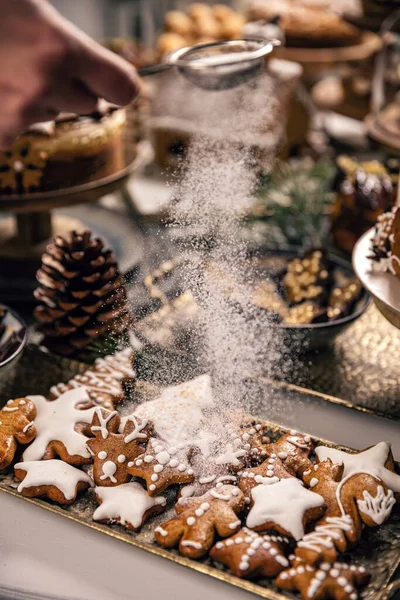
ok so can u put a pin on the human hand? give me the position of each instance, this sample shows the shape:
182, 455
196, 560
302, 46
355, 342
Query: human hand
47, 65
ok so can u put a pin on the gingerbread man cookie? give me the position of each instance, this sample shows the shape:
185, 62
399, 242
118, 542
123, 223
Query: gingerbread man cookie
113, 451
249, 554
105, 382
285, 507
56, 423
127, 504
52, 479
200, 519
16, 426
162, 466
351, 502
337, 582
293, 450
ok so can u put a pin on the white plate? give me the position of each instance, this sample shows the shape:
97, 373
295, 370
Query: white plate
384, 287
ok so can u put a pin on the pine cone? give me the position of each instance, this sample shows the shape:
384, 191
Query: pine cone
81, 294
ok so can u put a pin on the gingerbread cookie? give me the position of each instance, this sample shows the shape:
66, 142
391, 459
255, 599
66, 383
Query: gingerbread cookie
105, 382
127, 504
337, 582
55, 425
293, 449
351, 502
113, 451
200, 519
287, 457
377, 461
204, 483
246, 447
249, 554
285, 507
52, 479
16, 426
162, 466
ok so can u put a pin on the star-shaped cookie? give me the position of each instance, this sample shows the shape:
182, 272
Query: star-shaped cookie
53, 479
162, 466
285, 507
376, 461
249, 554
55, 429
128, 504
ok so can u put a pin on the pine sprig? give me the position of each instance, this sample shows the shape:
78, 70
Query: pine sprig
293, 205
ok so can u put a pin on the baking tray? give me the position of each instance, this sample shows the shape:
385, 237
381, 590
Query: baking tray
379, 551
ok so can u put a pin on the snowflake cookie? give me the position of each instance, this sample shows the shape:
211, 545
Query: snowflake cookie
56, 423
162, 466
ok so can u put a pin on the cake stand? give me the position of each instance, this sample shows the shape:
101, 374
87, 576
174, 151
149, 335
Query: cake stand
28, 223
383, 287
317, 62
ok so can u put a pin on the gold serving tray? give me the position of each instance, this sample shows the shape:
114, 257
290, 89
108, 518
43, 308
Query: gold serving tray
379, 551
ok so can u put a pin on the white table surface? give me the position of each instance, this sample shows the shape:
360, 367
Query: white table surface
42, 552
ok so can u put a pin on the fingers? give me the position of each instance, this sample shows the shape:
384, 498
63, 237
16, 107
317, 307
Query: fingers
107, 75
70, 96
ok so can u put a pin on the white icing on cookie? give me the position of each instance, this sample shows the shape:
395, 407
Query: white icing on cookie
109, 468
56, 421
378, 508
230, 456
103, 379
52, 472
191, 544
136, 434
370, 461
127, 502
103, 421
283, 503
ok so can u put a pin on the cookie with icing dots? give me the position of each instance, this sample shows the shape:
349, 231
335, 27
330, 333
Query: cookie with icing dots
285, 507
105, 383
56, 423
200, 519
52, 479
352, 501
128, 504
16, 427
293, 450
249, 555
162, 466
376, 460
287, 457
113, 451
339, 581
244, 448
204, 483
